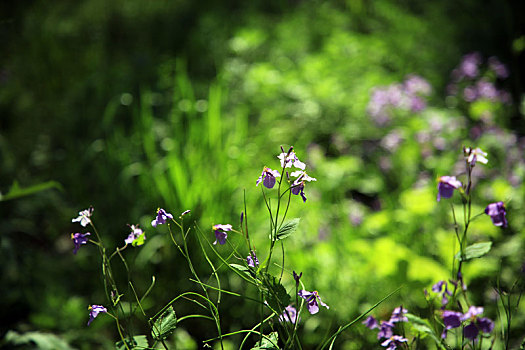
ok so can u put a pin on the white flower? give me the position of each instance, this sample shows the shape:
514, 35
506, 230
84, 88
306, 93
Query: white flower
84, 216
475, 155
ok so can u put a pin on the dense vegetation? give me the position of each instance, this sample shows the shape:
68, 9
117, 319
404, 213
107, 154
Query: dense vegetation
129, 106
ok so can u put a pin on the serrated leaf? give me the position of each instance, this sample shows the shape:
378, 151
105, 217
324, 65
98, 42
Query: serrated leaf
475, 250
270, 342
137, 342
164, 325
287, 229
274, 293
423, 327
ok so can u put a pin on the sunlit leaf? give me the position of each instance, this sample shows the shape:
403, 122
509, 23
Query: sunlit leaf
475, 250
287, 229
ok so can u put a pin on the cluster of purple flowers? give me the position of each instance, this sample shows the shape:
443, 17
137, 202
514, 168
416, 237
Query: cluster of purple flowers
447, 185
472, 324
410, 96
386, 328
472, 85
441, 288
288, 159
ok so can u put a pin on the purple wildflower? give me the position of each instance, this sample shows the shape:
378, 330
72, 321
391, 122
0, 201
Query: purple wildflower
289, 315
298, 184
499, 68
385, 330
398, 315
371, 322
220, 233
134, 236
84, 217
267, 177
393, 342
446, 186
94, 310
414, 84
451, 319
79, 239
162, 217
469, 66
252, 259
185, 212
476, 324
497, 213
441, 287
312, 299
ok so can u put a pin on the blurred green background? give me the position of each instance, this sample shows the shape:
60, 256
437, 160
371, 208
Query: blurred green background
129, 105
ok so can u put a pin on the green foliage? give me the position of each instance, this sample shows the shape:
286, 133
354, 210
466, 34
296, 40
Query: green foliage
16, 191
41, 340
268, 342
164, 325
274, 293
473, 251
135, 343
287, 229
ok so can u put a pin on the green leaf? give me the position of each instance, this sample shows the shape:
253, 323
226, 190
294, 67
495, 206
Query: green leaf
164, 325
239, 267
269, 342
275, 293
37, 340
140, 240
16, 191
137, 342
423, 327
287, 229
475, 250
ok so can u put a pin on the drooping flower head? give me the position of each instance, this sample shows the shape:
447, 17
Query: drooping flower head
446, 186
252, 259
162, 217
290, 159
94, 310
497, 213
312, 300
79, 239
298, 184
289, 315
267, 177
398, 315
475, 155
84, 217
393, 342
220, 233
136, 237
297, 277
371, 322
441, 287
